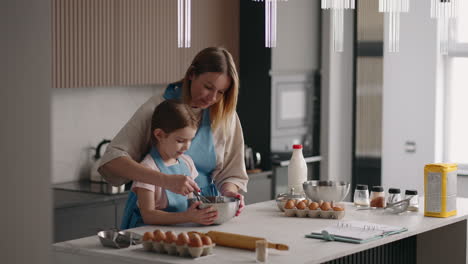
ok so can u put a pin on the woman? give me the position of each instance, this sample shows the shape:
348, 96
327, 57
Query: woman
210, 86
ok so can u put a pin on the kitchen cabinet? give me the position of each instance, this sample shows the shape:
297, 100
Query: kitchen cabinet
134, 42
259, 188
79, 214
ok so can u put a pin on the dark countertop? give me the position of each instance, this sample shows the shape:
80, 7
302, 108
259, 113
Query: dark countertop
81, 193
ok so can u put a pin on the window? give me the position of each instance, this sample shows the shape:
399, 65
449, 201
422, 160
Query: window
456, 109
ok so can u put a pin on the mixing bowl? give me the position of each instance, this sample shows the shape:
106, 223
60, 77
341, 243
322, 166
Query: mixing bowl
326, 190
226, 207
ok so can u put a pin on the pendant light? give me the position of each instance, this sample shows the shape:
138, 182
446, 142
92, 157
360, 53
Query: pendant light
184, 11
393, 8
270, 21
337, 8
443, 11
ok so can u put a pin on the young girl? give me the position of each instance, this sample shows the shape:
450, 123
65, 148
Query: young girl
173, 126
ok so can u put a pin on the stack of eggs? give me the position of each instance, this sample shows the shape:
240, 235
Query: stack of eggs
192, 244
308, 208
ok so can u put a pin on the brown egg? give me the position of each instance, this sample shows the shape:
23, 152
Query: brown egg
301, 205
195, 241
337, 208
159, 235
182, 239
289, 205
171, 237
206, 240
148, 236
313, 206
307, 202
325, 206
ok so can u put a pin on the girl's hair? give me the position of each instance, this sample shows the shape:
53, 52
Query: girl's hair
171, 115
218, 60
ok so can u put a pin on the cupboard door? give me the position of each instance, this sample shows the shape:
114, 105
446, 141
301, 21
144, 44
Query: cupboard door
75, 222
134, 42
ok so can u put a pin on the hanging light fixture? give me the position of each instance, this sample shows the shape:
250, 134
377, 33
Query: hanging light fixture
184, 11
443, 11
270, 21
337, 11
393, 8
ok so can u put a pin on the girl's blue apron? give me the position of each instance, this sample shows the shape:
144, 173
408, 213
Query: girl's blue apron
202, 152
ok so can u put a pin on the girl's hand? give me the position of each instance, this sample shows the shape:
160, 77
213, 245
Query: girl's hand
205, 216
179, 183
238, 196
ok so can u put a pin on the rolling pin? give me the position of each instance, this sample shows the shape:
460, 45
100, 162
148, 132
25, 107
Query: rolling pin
240, 241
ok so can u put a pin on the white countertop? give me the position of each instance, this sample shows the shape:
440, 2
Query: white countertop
263, 220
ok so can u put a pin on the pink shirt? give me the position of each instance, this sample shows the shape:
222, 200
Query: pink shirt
160, 197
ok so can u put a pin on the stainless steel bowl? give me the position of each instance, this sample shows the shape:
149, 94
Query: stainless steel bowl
115, 239
226, 207
326, 190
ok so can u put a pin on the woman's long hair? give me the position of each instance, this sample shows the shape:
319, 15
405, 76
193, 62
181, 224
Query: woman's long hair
219, 60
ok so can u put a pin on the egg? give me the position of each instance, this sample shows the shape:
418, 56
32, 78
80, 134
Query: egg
307, 202
313, 206
301, 205
159, 235
195, 241
171, 237
325, 206
289, 205
182, 239
148, 236
337, 208
206, 240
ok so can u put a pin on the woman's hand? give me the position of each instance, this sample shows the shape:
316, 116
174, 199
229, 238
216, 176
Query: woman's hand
205, 216
238, 196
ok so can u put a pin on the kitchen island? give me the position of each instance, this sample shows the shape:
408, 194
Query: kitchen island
428, 240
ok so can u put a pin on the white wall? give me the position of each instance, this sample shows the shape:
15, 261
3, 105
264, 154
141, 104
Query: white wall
297, 37
82, 117
24, 135
337, 103
410, 108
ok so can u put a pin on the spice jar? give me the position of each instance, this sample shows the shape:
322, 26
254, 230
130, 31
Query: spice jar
414, 200
361, 196
377, 197
393, 195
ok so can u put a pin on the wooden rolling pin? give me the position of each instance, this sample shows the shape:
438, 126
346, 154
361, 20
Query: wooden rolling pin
240, 241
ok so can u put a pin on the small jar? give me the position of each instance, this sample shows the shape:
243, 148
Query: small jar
377, 197
361, 196
393, 195
261, 251
414, 200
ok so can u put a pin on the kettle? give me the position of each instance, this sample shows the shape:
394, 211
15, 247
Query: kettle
252, 158
94, 174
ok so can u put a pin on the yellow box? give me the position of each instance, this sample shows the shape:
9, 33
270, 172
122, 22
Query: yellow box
440, 189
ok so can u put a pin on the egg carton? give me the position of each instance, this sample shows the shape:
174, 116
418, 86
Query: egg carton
178, 250
330, 214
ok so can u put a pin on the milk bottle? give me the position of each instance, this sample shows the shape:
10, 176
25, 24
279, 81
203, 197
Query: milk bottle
297, 170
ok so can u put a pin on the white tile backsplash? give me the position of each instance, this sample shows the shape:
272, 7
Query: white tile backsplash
82, 117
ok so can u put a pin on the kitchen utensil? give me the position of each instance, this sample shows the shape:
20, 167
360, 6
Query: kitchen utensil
112, 238
282, 198
95, 176
326, 190
134, 237
252, 158
240, 241
226, 207
201, 198
396, 207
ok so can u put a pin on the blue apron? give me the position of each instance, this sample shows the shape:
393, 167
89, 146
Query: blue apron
175, 202
202, 149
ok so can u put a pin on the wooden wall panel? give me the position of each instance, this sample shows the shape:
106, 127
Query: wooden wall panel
134, 42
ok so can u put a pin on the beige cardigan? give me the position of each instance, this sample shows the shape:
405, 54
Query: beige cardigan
133, 141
